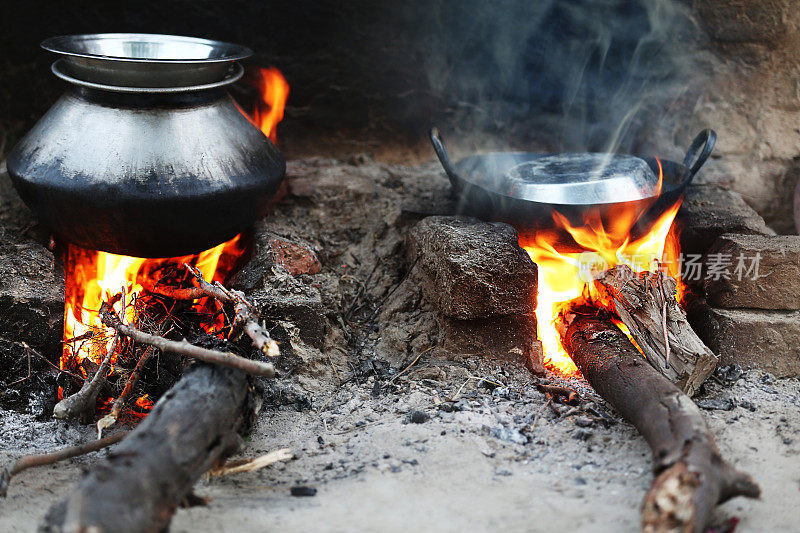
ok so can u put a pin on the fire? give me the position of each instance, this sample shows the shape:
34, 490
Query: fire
93, 277
604, 244
274, 92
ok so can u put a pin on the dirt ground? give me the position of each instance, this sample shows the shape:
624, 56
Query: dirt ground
486, 467
396, 434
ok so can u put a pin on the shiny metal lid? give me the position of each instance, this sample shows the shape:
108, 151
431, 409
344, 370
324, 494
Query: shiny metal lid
580, 178
145, 60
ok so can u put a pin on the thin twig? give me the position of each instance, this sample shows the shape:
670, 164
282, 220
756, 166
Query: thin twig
231, 360
45, 359
348, 430
333, 366
664, 321
412, 364
109, 420
570, 396
328, 401
245, 315
83, 401
539, 413
26, 377
361, 290
30, 461
479, 380
251, 465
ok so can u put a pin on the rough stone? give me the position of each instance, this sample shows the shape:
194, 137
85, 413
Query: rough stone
753, 339
472, 269
709, 211
505, 337
301, 305
31, 297
297, 258
743, 21
776, 283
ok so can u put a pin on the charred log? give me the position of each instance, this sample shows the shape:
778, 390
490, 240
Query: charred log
691, 476
82, 403
646, 303
137, 488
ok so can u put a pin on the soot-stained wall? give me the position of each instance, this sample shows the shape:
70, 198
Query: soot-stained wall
639, 76
474, 66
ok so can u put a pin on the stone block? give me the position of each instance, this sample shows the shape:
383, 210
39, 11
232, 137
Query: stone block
31, 297
709, 211
743, 21
505, 337
301, 305
764, 273
754, 339
471, 269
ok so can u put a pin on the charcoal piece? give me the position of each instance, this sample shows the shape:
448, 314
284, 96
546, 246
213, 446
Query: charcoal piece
303, 491
716, 404
418, 417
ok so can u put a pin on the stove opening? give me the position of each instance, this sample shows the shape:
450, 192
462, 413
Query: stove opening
570, 254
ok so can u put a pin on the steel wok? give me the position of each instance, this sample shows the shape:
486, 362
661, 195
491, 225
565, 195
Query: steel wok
475, 181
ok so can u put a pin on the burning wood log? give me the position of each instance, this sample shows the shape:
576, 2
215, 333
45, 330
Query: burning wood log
82, 403
691, 476
139, 485
646, 303
228, 359
109, 420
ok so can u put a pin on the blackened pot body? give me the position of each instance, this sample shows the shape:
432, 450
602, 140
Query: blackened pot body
147, 175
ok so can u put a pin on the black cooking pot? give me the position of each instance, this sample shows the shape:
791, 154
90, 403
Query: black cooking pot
491, 186
146, 154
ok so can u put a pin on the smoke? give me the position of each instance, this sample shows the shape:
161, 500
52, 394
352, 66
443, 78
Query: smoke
556, 74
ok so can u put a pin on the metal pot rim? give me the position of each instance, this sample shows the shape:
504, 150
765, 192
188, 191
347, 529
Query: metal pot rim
66, 45
238, 72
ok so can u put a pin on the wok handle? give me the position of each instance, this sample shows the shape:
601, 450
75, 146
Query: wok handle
705, 140
444, 158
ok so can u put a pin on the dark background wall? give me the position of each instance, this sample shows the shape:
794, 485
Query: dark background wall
556, 73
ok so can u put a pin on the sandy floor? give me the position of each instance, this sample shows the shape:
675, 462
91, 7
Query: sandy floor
482, 468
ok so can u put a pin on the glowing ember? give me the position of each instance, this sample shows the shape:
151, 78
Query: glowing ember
93, 277
605, 243
274, 92
143, 403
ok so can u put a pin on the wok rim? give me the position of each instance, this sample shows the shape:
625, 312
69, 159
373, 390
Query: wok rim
675, 183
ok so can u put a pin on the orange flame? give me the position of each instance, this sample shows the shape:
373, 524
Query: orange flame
144, 404
93, 277
274, 92
606, 241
